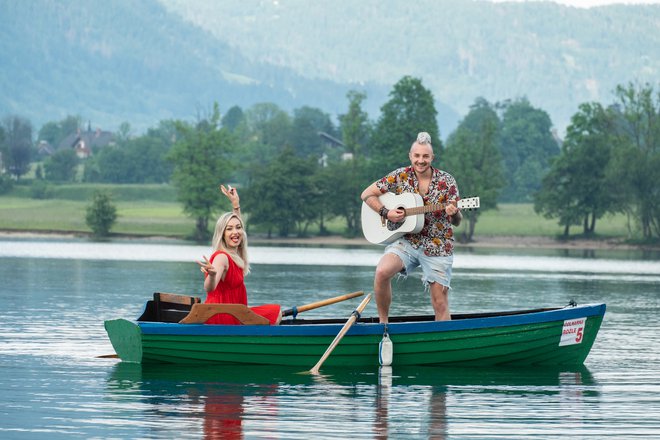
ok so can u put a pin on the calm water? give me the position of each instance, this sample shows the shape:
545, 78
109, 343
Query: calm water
57, 294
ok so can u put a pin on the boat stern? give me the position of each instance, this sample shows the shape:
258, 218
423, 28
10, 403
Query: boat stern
126, 339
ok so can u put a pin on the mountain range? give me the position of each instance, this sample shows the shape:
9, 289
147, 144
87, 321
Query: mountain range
143, 61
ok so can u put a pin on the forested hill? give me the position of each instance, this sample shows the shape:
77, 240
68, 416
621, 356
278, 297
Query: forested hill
557, 56
140, 62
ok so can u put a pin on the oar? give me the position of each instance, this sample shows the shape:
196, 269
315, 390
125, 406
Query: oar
354, 316
295, 310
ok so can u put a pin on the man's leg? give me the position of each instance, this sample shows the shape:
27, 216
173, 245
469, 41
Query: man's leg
440, 301
388, 266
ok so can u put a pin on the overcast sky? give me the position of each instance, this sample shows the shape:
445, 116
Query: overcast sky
590, 3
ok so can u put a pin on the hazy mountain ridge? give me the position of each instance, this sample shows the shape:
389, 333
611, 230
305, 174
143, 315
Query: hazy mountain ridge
145, 61
557, 56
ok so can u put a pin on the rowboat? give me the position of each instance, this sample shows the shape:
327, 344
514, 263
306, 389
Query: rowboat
542, 336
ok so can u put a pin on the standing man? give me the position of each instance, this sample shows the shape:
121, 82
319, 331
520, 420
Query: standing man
431, 248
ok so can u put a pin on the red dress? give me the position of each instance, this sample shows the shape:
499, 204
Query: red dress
232, 290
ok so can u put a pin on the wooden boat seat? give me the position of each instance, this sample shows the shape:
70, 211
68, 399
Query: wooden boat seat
176, 298
200, 313
168, 307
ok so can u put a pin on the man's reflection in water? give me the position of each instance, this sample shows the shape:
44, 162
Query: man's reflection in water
383, 393
438, 413
437, 409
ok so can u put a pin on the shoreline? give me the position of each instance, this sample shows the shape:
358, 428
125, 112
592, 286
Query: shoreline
505, 242
482, 241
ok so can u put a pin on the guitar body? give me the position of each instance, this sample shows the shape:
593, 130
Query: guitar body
372, 225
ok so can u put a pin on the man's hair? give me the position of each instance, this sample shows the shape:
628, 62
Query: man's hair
423, 138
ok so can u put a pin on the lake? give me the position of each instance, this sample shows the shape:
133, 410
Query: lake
54, 385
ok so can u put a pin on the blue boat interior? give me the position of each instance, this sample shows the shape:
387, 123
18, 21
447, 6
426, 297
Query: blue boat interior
172, 308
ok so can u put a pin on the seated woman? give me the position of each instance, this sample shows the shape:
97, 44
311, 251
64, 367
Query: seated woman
224, 272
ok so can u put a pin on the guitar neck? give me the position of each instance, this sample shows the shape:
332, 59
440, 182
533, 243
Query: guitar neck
424, 209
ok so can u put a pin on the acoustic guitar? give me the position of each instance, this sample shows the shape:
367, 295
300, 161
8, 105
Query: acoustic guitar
380, 231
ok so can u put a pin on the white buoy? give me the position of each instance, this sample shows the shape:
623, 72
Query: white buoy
385, 350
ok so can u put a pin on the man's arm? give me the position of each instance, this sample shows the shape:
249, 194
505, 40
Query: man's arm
370, 197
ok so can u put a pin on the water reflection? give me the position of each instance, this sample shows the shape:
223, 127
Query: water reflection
227, 402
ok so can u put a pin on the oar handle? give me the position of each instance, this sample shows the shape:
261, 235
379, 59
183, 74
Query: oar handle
295, 310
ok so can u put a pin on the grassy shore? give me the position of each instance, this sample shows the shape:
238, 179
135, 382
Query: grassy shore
148, 218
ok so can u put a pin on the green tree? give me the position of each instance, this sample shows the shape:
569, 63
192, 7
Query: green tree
472, 156
355, 125
554, 198
527, 147
101, 214
201, 160
343, 181
55, 132
263, 136
6, 184
61, 166
135, 160
284, 196
577, 187
636, 165
233, 118
124, 133
307, 123
18, 145
111, 164
410, 109
148, 154
4, 153
269, 125
165, 132
50, 132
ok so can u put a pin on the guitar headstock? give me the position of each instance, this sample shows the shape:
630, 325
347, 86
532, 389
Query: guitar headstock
469, 203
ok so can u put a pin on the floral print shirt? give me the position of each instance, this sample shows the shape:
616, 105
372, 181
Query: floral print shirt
437, 235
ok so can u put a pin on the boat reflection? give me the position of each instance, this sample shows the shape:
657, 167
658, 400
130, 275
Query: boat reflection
223, 399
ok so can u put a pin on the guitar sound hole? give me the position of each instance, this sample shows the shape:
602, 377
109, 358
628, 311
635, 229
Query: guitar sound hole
393, 226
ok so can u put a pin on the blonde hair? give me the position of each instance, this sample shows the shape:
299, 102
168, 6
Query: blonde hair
240, 255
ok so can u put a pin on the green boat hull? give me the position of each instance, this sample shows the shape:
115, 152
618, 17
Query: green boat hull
518, 339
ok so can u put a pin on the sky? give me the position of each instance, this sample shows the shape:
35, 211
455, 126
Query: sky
591, 3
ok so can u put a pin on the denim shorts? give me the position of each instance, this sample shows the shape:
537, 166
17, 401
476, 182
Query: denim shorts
434, 269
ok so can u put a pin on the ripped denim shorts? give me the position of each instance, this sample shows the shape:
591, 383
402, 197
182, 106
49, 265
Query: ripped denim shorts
434, 269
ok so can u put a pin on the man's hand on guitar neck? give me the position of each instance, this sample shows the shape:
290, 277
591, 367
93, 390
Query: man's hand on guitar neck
453, 213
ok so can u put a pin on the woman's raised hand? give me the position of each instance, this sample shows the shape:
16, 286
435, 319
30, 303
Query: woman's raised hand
232, 195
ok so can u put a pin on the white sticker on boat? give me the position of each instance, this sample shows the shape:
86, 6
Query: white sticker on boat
573, 331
